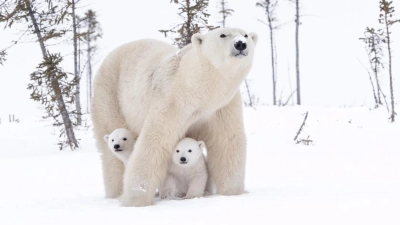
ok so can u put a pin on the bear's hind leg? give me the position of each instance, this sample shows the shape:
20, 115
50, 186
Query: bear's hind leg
106, 117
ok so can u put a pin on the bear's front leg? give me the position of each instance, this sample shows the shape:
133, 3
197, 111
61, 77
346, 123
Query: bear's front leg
147, 167
197, 186
113, 171
167, 188
226, 148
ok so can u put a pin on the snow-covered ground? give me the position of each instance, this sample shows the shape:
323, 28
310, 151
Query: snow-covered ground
350, 175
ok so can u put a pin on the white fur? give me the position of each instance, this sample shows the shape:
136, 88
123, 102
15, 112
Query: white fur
186, 178
162, 97
124, 139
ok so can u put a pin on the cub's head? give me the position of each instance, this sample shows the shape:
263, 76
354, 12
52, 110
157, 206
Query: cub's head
120, 140
226, 47
187, 152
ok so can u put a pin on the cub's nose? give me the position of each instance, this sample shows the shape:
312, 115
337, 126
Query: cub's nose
240, 45
183, 159
116, 146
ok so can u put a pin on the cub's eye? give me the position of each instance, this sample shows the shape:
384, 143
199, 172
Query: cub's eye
245, 36
112, 140
124, 139
223, 35
177, 151
190, 150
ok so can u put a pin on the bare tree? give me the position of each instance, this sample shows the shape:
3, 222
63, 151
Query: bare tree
194, 19
298, 23
92, 34
385, 18
269, 7
43, 21
298, 54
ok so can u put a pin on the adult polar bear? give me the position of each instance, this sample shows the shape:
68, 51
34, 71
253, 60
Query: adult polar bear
162, 95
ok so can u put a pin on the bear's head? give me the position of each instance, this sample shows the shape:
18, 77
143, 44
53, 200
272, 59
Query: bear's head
120, 140
187, 152
226, 47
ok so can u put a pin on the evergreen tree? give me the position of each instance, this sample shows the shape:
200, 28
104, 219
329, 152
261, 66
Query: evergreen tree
50, 85
373, 41
194, 20
92, 33
225, 11
3, 54
386, 18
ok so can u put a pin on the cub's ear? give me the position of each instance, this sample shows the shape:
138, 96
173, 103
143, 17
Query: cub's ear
254, 36
202, 145
197, 39
106, 137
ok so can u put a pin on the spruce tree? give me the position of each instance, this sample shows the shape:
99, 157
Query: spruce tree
386, 18
194, 20
373, 40
50, 85
225, 11
92, 33
3, 54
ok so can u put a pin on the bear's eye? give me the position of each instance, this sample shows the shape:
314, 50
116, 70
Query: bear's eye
177, 151
245, 36
190, 150
124, 139
223, 35
112, 140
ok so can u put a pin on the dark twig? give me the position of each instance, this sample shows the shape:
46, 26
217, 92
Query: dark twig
301, 127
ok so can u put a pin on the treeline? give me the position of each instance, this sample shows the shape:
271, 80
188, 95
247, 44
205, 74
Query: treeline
51, 23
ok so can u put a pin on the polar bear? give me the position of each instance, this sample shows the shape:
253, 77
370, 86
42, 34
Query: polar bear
120, 142
162, 95
187, 171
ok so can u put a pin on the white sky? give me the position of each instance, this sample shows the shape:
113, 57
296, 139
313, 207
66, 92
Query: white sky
329, 49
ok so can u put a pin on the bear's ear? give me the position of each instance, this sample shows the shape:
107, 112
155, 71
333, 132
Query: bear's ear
202, 145
197, 39
254, 36
106, 137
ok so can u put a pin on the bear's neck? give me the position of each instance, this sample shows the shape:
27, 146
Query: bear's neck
219, 84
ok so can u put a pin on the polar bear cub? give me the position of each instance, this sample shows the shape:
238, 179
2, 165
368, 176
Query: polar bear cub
121, 142
187, 173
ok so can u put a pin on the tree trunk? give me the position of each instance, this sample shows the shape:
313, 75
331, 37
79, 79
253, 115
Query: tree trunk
393, 113
89, 61
378, 86
89, 73
248, 93
55, 85
188, 34
272, 54
223, 13
76, 74
297, 54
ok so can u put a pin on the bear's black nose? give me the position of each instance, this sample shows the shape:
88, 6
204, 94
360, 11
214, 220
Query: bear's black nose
183, 159
116, 146
240, 45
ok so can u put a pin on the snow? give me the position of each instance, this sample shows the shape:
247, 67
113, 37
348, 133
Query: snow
349, 175
239, 38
